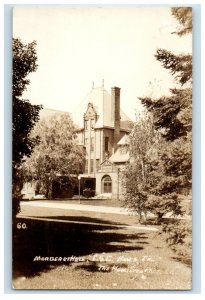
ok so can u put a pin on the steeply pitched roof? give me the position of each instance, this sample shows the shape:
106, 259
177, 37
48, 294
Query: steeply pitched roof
117, 157
124, 140
101, 100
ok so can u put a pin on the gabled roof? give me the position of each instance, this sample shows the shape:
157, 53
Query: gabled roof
117, 157
106, 162
101, 100
124, 140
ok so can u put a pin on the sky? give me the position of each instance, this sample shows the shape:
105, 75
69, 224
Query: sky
77, 46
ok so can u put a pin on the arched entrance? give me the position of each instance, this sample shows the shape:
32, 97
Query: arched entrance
106, 184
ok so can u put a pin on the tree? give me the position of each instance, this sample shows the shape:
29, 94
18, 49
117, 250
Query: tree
168, 163
58, 152
135, 178
179, 65
173, 118
184, 17
24, 62
25, 115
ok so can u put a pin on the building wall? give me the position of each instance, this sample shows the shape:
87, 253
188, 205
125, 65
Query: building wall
99, 183
98, 144
107, 133
115, 115
101, 142
95, 143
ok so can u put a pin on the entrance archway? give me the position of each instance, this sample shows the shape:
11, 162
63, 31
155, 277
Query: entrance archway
106, 184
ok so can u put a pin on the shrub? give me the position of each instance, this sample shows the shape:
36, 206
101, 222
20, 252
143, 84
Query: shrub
179, 237
88, 193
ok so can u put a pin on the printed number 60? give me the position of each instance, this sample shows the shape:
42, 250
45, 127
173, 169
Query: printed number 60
21, 225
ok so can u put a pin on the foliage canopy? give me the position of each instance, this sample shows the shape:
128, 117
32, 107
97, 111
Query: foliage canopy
25, 115
168, 168
57, 153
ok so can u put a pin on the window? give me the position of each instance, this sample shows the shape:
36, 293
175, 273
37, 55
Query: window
86, 141
92, 123
97, 164
107, 184
86, 125
106, 143
86, 166
92, 144
91, 166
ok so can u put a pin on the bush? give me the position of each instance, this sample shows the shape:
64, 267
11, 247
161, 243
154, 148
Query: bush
179, 237
88, 193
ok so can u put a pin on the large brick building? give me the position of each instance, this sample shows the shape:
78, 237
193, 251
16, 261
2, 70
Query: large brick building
103, 130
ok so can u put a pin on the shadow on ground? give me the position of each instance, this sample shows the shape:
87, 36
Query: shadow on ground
185, 260
82, 219
59, 239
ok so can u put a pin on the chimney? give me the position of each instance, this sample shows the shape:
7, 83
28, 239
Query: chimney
115, 113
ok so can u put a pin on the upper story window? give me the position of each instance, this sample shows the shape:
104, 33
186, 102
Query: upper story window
86, 166
106, 143
92, 123
92, 144
86, 124
91, 166
97, 164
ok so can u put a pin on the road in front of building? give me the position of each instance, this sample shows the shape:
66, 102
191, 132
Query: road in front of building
75, 205
46, 210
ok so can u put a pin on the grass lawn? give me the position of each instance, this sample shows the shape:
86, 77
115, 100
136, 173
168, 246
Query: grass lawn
95, 254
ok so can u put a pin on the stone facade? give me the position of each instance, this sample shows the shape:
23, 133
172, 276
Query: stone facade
102, 128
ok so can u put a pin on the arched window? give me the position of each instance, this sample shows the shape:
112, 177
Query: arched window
106, 184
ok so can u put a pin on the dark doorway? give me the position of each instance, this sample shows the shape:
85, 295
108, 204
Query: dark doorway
107, 184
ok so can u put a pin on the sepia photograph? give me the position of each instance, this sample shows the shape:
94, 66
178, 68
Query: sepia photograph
102, 147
